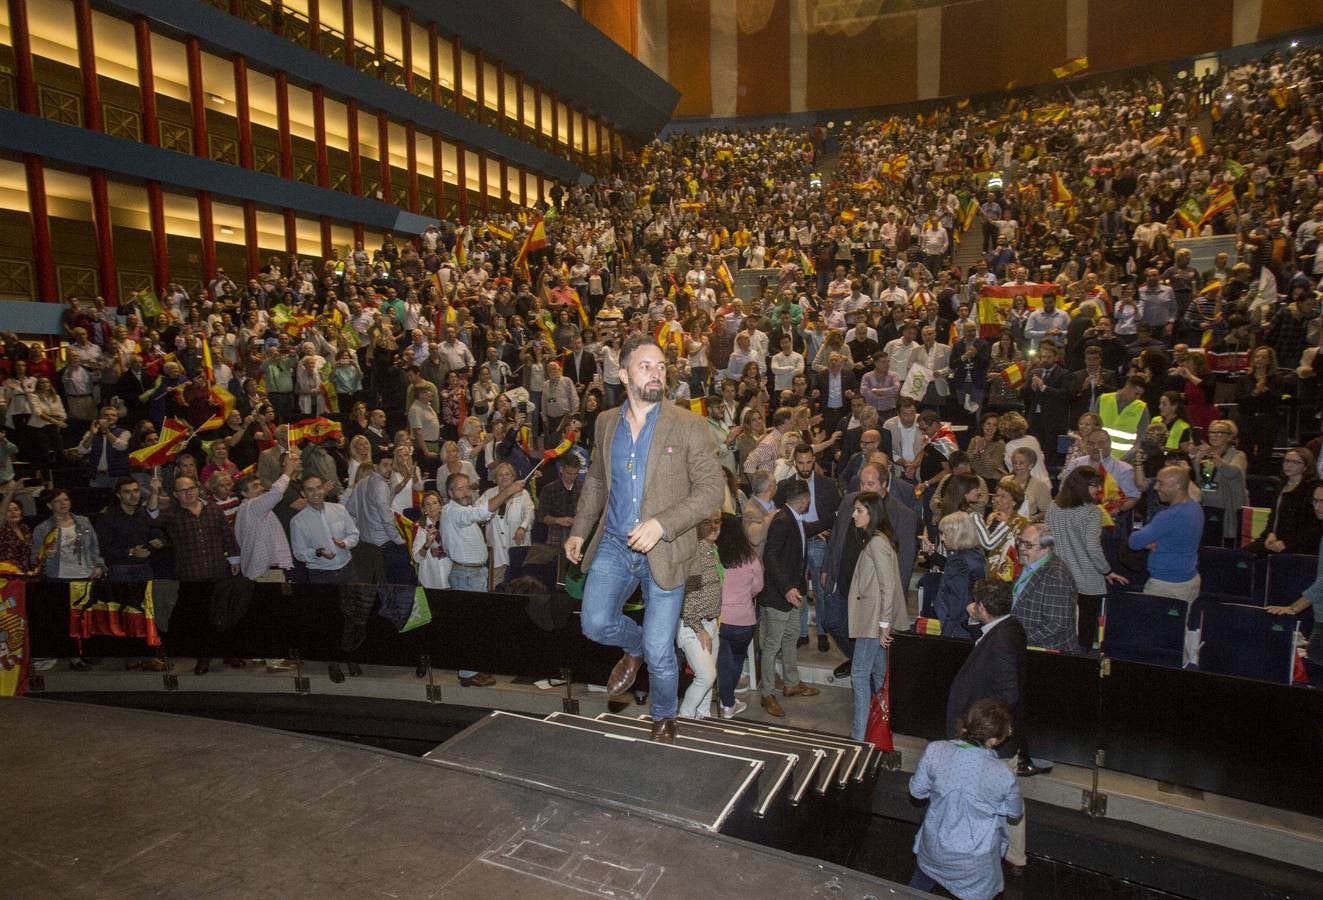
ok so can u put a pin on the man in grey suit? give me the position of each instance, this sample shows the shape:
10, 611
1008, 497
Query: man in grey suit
654, 474
874, 477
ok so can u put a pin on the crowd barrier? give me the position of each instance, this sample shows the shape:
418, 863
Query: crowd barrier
1235, 737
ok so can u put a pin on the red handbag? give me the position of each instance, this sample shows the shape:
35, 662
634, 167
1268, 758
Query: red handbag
878, 732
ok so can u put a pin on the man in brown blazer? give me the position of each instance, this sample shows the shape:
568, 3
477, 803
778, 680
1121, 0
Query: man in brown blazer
653, 476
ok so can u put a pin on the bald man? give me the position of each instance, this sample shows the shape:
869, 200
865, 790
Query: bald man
1172, 539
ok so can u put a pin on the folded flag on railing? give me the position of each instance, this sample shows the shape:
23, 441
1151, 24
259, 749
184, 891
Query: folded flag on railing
14, 644
925, 625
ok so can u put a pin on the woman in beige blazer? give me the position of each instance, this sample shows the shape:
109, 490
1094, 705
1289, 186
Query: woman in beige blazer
876, 600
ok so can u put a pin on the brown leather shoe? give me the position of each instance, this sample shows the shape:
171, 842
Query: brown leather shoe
801, 690
663, 730
778, 684
773, 706
624, 673
482, 679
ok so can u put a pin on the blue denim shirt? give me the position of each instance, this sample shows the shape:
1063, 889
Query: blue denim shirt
629, 473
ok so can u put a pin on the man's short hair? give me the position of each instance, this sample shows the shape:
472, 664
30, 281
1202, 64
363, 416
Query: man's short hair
632, 343
905, 403
804, 447
794, 489
124, 481
782, 415
241, 487
571, 461
994, 595
759, 481
928, 417
309, 477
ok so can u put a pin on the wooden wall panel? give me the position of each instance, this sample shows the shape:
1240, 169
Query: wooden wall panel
614, 18
969, 66
689, 54
1034, 35
877, 66
1288, 15
763, 71
1126, 33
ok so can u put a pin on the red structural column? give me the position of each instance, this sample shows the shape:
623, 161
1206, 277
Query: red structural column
411, 157
160, 246
438, 176
196, 96
355, 159
250, 237
383, 156
245, 118
207, 226
457, 54
406, 35
87, 64
43, 260
291, 233
480, 83
142, 38
378, 34
519, 104
434, 60
482, 182
327, 243
462, 180
315, 25
319, 135
105, 237
282, 122
348, 7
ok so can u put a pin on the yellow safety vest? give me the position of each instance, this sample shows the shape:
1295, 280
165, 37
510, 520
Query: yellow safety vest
1122, 425
1176, 434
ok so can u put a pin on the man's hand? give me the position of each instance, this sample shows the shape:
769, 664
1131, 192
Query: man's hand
793, 597
1116, 578
339, 542
887, 637
645, 535
704, 639
1279, 610
574, 549
324, 553
139, 552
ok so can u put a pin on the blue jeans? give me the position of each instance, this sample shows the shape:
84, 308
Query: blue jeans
868, 669
814, 557
735, 640
834, 618
465, 578
615, 573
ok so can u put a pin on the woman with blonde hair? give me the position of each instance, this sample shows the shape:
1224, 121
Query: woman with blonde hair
511, 524
360, 457
46, 421
470, 438
965, 565
1015, 428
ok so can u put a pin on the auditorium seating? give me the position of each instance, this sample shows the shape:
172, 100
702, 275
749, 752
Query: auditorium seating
1244, 641
1144, 628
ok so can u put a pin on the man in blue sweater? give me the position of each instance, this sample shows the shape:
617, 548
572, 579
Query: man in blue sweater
1172, 539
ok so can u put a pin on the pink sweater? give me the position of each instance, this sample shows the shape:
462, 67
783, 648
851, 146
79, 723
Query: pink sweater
742, 584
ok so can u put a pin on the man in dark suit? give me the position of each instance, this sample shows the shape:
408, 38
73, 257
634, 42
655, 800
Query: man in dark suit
579, 365
1047, 400
784, 328
874, 477
784, 592
824, 499
995, 668
1088, 384
652, 478
832, 390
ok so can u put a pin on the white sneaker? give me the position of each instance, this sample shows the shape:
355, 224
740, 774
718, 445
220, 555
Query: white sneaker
730, 712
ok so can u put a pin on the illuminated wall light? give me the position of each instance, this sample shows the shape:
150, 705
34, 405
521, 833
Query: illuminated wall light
217, 99
225, 229
448, 173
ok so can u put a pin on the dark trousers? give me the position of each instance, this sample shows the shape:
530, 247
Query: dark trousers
342, 575
283, 405
735, 640
1089, 607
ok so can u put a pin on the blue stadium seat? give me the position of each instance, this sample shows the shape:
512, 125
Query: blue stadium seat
1288, 575
1227, 572
1144, 628
1246, 642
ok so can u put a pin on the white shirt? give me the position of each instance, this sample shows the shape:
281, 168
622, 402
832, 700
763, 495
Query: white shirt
463, 540
312, 530
785, 366
501, 527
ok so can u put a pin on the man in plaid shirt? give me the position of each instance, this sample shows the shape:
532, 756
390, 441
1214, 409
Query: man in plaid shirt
1044, 594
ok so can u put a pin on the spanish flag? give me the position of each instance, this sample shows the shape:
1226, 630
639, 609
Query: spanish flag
566, 444
1197, 145
497, 231
699, 406
317, 429
669, 333
15, 648
206, 360
1281, 96
723, 273
535, 240
407, 528
1061, 195
1224, 200
1014, 375
174, 434
1112, 498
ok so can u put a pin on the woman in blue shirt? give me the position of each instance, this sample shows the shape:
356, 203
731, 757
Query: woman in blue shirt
971, 795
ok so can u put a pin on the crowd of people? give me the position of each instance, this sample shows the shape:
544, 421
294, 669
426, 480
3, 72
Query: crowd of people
881, 418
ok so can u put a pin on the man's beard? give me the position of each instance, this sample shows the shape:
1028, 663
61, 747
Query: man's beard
649, 394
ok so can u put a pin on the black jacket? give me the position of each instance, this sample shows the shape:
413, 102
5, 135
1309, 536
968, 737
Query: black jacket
118, 534
583, 372
827, 500
995, 668
1047, 410
783, 561
821, 382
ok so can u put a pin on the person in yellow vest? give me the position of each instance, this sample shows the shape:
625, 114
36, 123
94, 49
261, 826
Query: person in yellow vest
1171, 406
1124, 416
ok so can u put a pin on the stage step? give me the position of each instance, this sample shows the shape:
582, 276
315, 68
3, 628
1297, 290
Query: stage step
842, 758
683, 784
778, 762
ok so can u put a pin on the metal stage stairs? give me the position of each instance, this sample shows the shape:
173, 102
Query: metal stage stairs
731, 776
